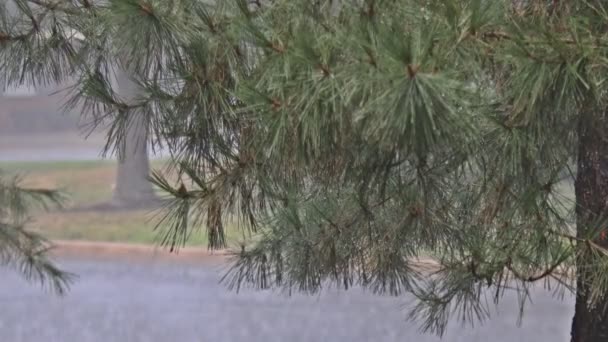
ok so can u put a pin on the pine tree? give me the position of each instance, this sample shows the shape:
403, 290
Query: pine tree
352, 138
21, 248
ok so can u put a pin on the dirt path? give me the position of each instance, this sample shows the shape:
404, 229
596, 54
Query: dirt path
108, 250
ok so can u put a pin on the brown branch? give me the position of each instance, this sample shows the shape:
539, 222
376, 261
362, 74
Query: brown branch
278, 48
325, 69
590, 243
35, 23
496, 35
412, 70
549, 271
369, 10
146, 8
4, 37
276, 104
489, 212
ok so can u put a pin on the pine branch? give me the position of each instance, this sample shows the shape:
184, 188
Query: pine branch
533, 278
351, 142
20, 248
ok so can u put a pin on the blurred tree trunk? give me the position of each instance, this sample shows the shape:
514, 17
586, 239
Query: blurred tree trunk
132, 184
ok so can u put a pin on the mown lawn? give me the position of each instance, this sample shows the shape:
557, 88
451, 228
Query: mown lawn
86, 183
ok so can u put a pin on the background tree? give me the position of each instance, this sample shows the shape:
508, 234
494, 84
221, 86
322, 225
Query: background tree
353, 137
133, 188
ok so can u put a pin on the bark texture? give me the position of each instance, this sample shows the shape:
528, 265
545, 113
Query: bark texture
590, 323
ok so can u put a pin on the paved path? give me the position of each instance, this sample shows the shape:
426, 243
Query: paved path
149, 301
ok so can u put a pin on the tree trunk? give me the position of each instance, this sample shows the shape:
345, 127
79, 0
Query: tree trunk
132, 185
590, 323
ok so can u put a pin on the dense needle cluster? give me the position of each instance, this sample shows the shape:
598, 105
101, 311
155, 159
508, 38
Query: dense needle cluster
353, 137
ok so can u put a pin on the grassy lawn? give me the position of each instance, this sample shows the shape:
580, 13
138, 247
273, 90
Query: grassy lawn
86, 183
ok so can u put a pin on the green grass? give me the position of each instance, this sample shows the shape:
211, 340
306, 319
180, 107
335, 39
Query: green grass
86, 183
32, 166
83, 182
127, 227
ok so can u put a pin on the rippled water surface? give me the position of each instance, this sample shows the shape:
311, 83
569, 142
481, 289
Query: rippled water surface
115, 301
